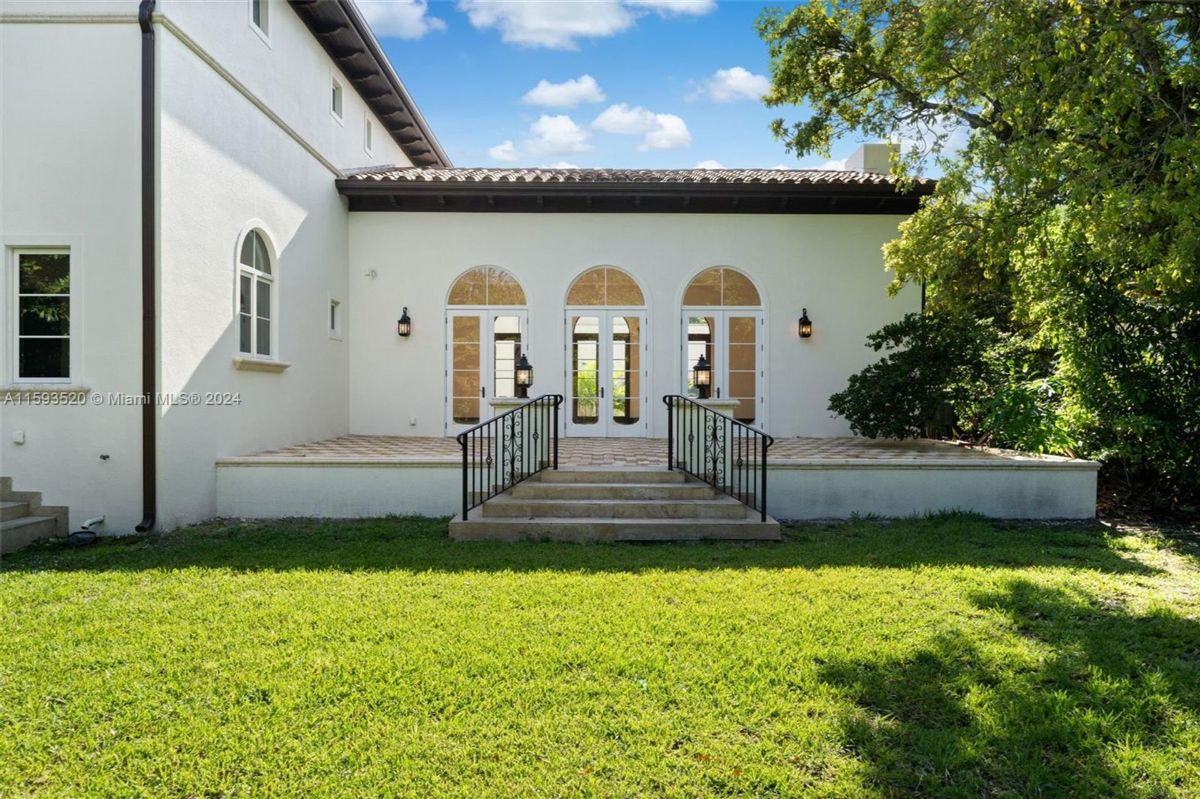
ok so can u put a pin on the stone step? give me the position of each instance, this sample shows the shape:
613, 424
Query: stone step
609, 475
18, 533
535, 489
13, 510
748, 527
713, 508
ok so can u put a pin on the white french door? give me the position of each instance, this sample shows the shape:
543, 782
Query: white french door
482, 349
607, 373
734, 343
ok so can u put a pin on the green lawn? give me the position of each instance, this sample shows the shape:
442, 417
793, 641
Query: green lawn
938, 657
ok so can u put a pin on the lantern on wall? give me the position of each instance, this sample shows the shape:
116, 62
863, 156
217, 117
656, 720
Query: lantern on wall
404, 326
805, 324
524, 376
702, 377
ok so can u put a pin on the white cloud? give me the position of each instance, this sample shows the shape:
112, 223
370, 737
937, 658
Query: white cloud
557, 135
710, 164
675, 7
659, 131
730, 85
567, 94
555, 25
784, 166
838, 165
505, 151
563, 165
559, 24
406, 19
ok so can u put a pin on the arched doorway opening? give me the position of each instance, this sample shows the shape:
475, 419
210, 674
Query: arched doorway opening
723, 320
607, 355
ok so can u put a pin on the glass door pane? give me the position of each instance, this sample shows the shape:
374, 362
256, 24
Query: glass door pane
585, 370
506, 353
742, 379
626, 348
701, 338
466, 382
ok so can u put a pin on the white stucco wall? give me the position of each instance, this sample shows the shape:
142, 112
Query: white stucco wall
830, 264
69, 110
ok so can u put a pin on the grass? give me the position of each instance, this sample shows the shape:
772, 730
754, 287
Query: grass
948, 656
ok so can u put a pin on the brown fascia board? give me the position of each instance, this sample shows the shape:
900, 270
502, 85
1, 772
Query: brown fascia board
406, 195
340, 29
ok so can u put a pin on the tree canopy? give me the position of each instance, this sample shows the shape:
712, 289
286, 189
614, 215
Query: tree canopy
1069, 207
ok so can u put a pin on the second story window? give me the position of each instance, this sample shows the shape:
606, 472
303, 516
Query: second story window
259, 11
335, 100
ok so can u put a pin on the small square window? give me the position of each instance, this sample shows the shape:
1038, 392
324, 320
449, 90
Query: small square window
259, 11
335, 103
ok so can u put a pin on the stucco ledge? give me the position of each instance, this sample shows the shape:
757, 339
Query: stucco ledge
259, 364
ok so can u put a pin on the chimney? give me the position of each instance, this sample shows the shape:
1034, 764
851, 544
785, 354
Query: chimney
873, 157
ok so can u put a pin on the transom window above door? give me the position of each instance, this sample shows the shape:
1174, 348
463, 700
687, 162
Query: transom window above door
486, 285
719, 287
605, 285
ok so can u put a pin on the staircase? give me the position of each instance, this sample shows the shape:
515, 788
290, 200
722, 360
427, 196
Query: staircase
24, 519
592, 505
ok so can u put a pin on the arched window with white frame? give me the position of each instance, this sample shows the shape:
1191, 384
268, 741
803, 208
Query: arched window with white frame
256, 296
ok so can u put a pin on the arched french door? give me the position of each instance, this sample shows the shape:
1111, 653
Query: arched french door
487, 325
608, 355
723, 320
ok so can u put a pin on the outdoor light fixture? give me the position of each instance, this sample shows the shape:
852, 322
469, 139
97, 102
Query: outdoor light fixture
702, 376
524, 376
805, 324
404, 326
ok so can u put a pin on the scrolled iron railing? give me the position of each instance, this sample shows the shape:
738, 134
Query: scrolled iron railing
729, 455
508, 449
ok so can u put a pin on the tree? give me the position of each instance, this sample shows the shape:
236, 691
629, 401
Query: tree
1067, 213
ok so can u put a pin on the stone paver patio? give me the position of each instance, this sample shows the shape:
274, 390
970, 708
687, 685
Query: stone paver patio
643, 452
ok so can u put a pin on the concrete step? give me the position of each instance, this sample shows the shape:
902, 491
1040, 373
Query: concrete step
13, 510
609, 475
713, 508
748, 527
535, 489
18, 533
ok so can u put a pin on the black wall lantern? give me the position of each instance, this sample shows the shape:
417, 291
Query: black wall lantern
805, 324
524, 377
404, 326
702, 376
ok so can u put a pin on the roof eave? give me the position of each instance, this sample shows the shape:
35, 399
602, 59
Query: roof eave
339, 27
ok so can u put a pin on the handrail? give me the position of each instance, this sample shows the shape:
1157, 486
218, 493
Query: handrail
508, 449
729, 455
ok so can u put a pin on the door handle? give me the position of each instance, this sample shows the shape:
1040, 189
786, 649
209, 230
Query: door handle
483, 391
718, 392
601, 392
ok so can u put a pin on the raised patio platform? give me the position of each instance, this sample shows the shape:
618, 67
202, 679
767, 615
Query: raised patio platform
809, 478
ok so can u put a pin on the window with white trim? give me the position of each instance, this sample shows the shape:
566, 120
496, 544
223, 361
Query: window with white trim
259, 10
335, 98
42, 279
368, 132
256, 309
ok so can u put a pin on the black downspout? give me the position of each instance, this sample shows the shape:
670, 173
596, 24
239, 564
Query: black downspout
149, 348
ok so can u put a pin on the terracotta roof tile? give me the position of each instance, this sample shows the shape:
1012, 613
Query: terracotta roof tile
795, 177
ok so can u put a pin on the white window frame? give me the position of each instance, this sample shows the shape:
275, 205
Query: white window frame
368, 134
335, 318
263, 33
256, 276
10, 316
337, 92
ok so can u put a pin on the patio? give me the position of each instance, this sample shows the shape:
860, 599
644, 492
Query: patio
356, 476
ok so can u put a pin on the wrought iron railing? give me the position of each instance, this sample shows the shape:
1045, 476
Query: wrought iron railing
508, 449
729, 455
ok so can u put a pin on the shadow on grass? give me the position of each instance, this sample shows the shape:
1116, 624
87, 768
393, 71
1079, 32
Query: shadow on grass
1101, 688
418, 545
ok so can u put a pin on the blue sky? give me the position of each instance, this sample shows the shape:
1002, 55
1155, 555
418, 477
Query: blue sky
673, 83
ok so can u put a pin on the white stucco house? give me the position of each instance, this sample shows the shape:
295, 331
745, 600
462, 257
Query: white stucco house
227, 207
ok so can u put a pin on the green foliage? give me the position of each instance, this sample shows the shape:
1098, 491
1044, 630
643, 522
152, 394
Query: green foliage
953, 375
1067, 134
947, 657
